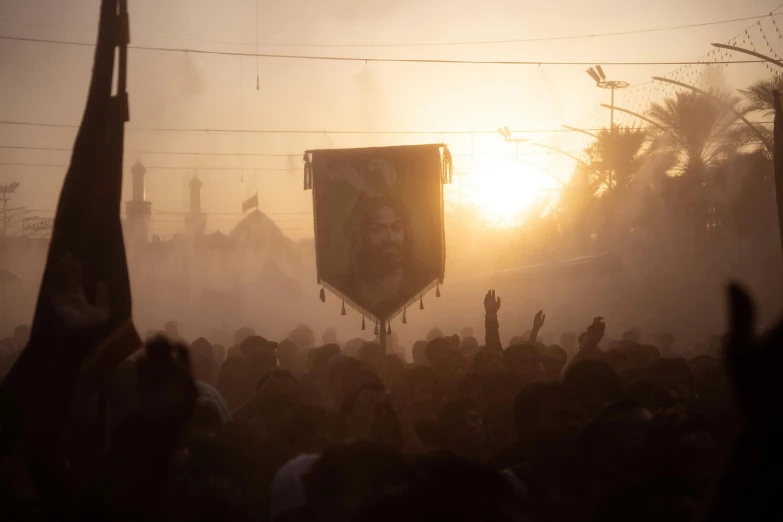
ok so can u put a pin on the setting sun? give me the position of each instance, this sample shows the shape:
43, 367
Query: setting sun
504, 191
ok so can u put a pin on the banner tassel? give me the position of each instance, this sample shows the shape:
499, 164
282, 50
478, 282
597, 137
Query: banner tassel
323, 295
421, 303
404, 317
343, 310
388, 332
362, 323
376, 328
437, 290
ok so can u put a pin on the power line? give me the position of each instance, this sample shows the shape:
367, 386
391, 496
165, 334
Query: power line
247, 169
442, 44
528, 40
368, 59
163, 152
225, 154
274, 131
287, 131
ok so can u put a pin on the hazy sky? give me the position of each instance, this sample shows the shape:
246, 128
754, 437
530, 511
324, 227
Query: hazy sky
46, 83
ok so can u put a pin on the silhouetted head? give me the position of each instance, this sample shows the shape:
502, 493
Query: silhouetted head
434, 333
447, 361
390, 368
418, 352
546, 415
255, 343
634, 335
487, 360
329, 336
287, 353
172, 329
372, 354
21, 336
302, 336
241, 334
416, 392
469, 346
319, 357
463, 430
554, 360
351, 348
524, 361
595, 384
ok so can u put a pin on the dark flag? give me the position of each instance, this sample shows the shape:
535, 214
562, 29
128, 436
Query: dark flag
82, 327
250, 203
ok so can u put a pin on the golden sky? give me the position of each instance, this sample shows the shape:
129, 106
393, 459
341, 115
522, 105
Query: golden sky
46, 83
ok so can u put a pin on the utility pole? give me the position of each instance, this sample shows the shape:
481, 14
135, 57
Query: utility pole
5, 190
597, 74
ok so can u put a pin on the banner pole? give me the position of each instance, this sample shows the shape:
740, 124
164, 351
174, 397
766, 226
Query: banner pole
383, 333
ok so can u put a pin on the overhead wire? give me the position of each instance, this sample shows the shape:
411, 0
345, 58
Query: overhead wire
305, 131
369, 59
441, 44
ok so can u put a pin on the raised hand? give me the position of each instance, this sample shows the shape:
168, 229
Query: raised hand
71, 302
491, 303
595, 332
538, 322
752, 362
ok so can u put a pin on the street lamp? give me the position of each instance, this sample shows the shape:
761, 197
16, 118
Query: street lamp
597, 74
503, 131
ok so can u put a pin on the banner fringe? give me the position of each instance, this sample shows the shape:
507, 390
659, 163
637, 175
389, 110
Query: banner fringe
347, 300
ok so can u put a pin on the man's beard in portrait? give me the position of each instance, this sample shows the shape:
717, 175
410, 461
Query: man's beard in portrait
386, 257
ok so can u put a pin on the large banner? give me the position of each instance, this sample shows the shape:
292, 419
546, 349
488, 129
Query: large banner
379, 223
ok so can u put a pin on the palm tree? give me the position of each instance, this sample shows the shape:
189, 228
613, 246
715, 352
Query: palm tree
760, 94
703, 134
618, 154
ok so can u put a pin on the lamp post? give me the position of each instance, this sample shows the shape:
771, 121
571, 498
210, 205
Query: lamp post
597, 74
503, 131
5, 190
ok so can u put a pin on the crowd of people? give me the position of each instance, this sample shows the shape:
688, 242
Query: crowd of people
589, 429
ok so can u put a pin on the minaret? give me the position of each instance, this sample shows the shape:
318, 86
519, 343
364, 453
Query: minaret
195, 221
138, 209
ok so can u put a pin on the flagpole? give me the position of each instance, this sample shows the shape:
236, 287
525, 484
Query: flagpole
383, 333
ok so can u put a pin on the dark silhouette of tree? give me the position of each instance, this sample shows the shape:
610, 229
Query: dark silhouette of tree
617, 154
703, 134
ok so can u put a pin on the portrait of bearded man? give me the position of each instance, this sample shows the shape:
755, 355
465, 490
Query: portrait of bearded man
383, 272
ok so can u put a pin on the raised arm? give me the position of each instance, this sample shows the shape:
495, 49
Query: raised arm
747, 487
491, 307
538, 322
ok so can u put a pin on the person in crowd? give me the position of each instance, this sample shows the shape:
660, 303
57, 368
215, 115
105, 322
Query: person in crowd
464, 431
288, 357
372, 354
21, 336
521, 433
469, 346
418, 352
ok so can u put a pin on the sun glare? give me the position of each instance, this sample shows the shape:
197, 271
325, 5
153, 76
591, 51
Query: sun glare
504, 191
